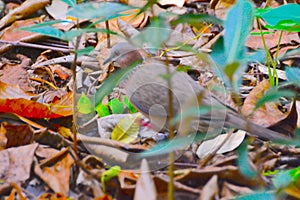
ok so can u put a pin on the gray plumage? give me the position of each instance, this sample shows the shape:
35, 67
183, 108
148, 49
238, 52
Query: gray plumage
147, 89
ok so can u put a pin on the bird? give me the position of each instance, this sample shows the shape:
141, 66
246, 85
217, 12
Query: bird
123, 54
149, 85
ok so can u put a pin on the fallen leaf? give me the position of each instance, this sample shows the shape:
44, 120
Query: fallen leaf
231, 143
178, 3
15, 74
255, 41
17, 135
32, 109
211, 189
13, 32
230, 190
201, 176
145, 186
55, 172
25, 9
15, 164
266, 115
126, 130
8, 91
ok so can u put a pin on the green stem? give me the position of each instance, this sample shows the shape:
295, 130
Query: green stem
276, 56
269, 57
172, 134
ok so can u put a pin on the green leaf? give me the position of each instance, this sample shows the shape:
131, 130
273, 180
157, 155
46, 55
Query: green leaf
217, 55
259, 11
127, 129
177, 143
104, 10
154, 35
84, 104
45, 30
258, 196
109, 174
196, 20
270, 173
70, 35
273, 95
113, 80
277, 20
237, 27
293, 75
295, 173
230, 69
71, 3
84, 51
285, 26
243, 161
259, 33
289, 180
293, 52
184, 68
130, 107
44, 24
102, 110
258, 56
116, 106
218, 52
282, 179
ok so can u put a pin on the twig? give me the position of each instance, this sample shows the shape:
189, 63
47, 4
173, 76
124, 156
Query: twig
108, 34
172, 134
38, 46
111, 143
212, 154
89, 122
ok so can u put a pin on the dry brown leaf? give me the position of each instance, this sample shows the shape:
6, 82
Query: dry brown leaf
288, 125
17, 135
63, 106
268, 114
127, 29
15, 74
10, 6
200, 177
145, 186
184, 191
58, 9
293, 190
13, 33
50, 96
55, 172
15, 164
255, 41
229, 190
130, 19
63, 72
45, 153
27, 8
211, 189
215, 4
12, 92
